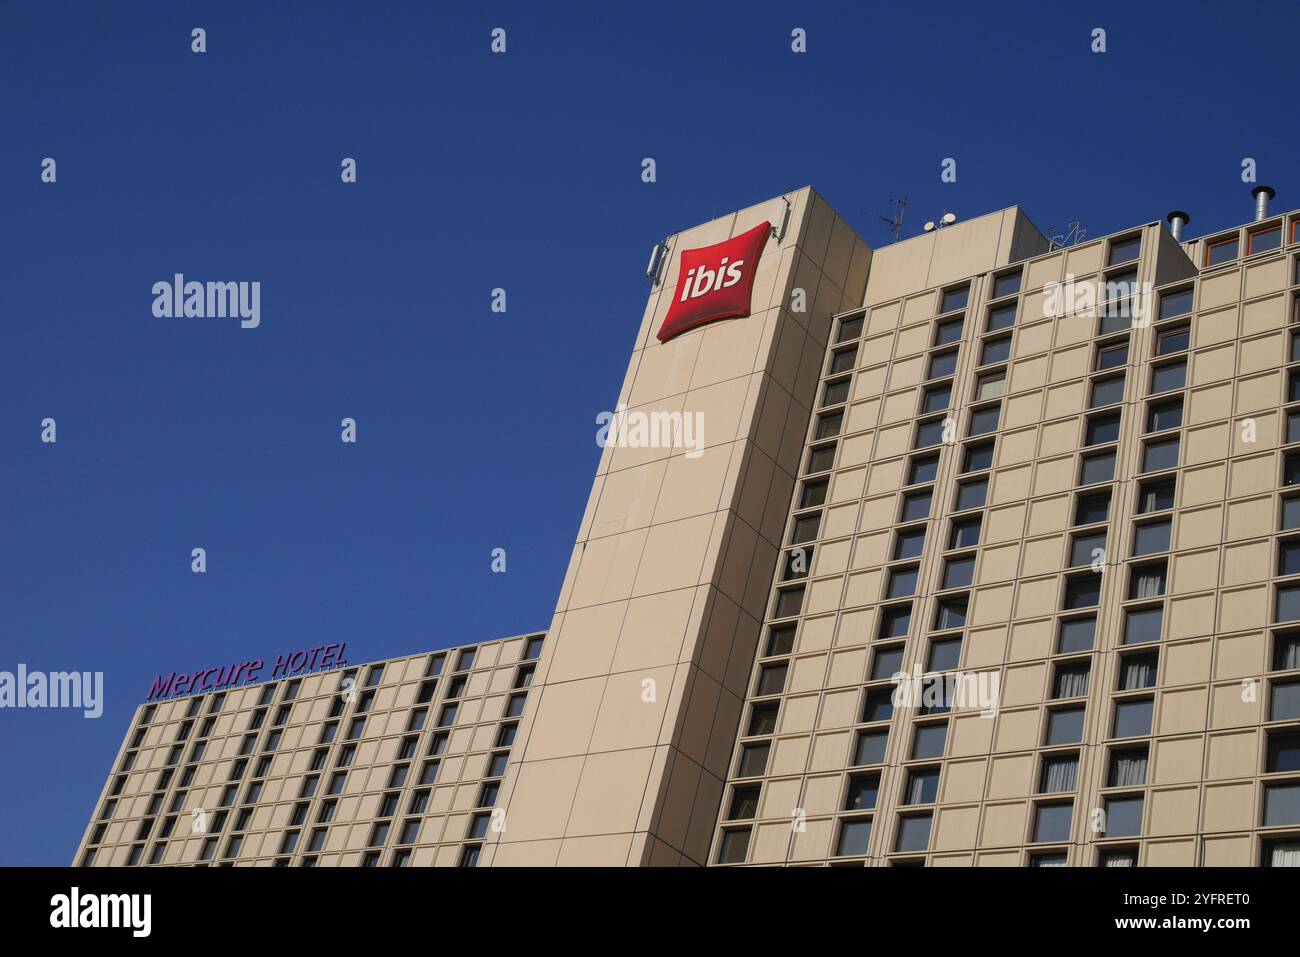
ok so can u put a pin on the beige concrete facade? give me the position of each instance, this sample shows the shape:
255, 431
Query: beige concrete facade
910, 459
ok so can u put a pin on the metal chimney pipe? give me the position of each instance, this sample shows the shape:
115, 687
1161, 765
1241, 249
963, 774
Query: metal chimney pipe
1177, 220
1262, 195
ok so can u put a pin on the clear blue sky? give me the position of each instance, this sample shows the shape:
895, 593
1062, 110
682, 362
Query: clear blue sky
522, 171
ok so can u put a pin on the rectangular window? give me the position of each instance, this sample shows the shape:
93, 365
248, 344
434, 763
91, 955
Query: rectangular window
1076, 634
913, 833
1083, 591
972, 494
1283, 753
1284, 701
870, 747
836, 392
1221, 250
978, 457
948, 332
1092, 508
1143, 625
916, 506
1008, 284
1060, 773
959, 572
1085, 549
928, 433
878, 705
1151, 538
1157, 496
995, 350
762, 718
1138, 671
922, 786
828, 426
744, 804
951, 613
1176, 302
849, 329
1064, 726
771, 679
1107, 392
854, 839
1001, 317
888, 661
1281, 804
1173, 339
954, 299
909, 542
936, 398
843, 360
895, 620
1288, 603
1124, 250
1147, 581
1165, 415
1133, 717
733, 846
1071, 680
821, 458
753, 760
1261, 240
1286, 653
1128, 768
1123, 816
942, 364
944, 654
1170, 376
1102, 429
862, 793
1052, 822
1097, 468
990, 385
965, 532
1111, 356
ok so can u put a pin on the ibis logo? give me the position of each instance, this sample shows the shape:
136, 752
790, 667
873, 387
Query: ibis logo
715, 282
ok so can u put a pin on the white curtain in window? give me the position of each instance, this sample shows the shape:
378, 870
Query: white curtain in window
1137, 673
1285, 855
1071, 684
1119, 860
1130, 770
1149, 584
1059, 775
1290, 657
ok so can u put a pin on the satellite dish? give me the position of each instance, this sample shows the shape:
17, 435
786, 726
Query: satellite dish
929, 227
949, 218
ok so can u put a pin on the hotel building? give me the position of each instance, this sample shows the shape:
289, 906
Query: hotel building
1053, 484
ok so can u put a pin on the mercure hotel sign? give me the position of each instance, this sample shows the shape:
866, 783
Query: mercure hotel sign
174, 684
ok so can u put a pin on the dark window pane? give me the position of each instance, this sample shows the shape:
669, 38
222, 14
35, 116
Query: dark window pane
1064, 726
958, 572
870, 748
1006, 284
954, 299
965, 532
849, 329
813, 494
734, 846
887, 663
1284, 704
1143, 625
1283, 753
929, 433
909, 542
805, 529
946, 332
828, 426
1176, 303
995, 350
1112, 356
843, 360
1138, 671
1156, 496
1149, 539
762, 719
1128, 768
878, 705
780, 641
1164, 415
894, 621
916, 505
1158, 456
1281, 804
789, 602
922, 786
1124, 250
1077, 634
937, 398
1133, 718
1168, 377
951, 613
1176, 339
1084, 546
1123, 816
924, 468
1001, 317
944, 655
862, 793
1052, 822
771, 679
942, 364
855, 836
1107, 392
1092, 508
983, 421
902, 582
822, 458
978, 457
913, 833
1097, 468
836, 392
972, 494
1082, 592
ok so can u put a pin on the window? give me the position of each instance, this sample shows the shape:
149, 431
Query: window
1221, 250
958, 572
1112, 355
835, 392
1156, 496
1125, 857
942, 364
813, 493
1060, 773
1286, 652
1132, 717
505, 738
533, 648
916, 505
780, 641
1281, 853
1052, 822
849, 329
1085, 549
1151, 538
1006, 285
978, 456
951, 613
1291, 469
944, 654
762, 718
878, 705
805, 529
1083, 591
929, 433
744, 804
965, 532
1288, 557
1107, 392
821, 458
923, 468
843, 360
1093, 508
1123, 816
1138, 671
1144, 624
1292, 427
985, 420
995, 350
1170, 376
862, 792
734, 846
870, 747
1076, 634
753, 760
771, 679
1281, 804
470, 854
796, 564
1071, 680
954, 299
1064, 726
1283, 753
828, 426
1128, 768
855, 837
1173, 339
936, 398
922, 786
895, 620
909, 542
902, 582
1158, 456
1124, 250
913, 833
1048, 860
1165, 415
1260, 240
1099, 467
972, 494
1147, 581
398, 775
948, 332
1176, 302
788, 602
1284, 701
991, 385
888, 661
1001, 317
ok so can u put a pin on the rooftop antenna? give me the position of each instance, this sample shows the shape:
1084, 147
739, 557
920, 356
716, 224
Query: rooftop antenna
1074, 235
895, 222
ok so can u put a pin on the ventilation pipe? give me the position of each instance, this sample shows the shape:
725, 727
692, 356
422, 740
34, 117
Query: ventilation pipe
1177, 220
1262, 195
